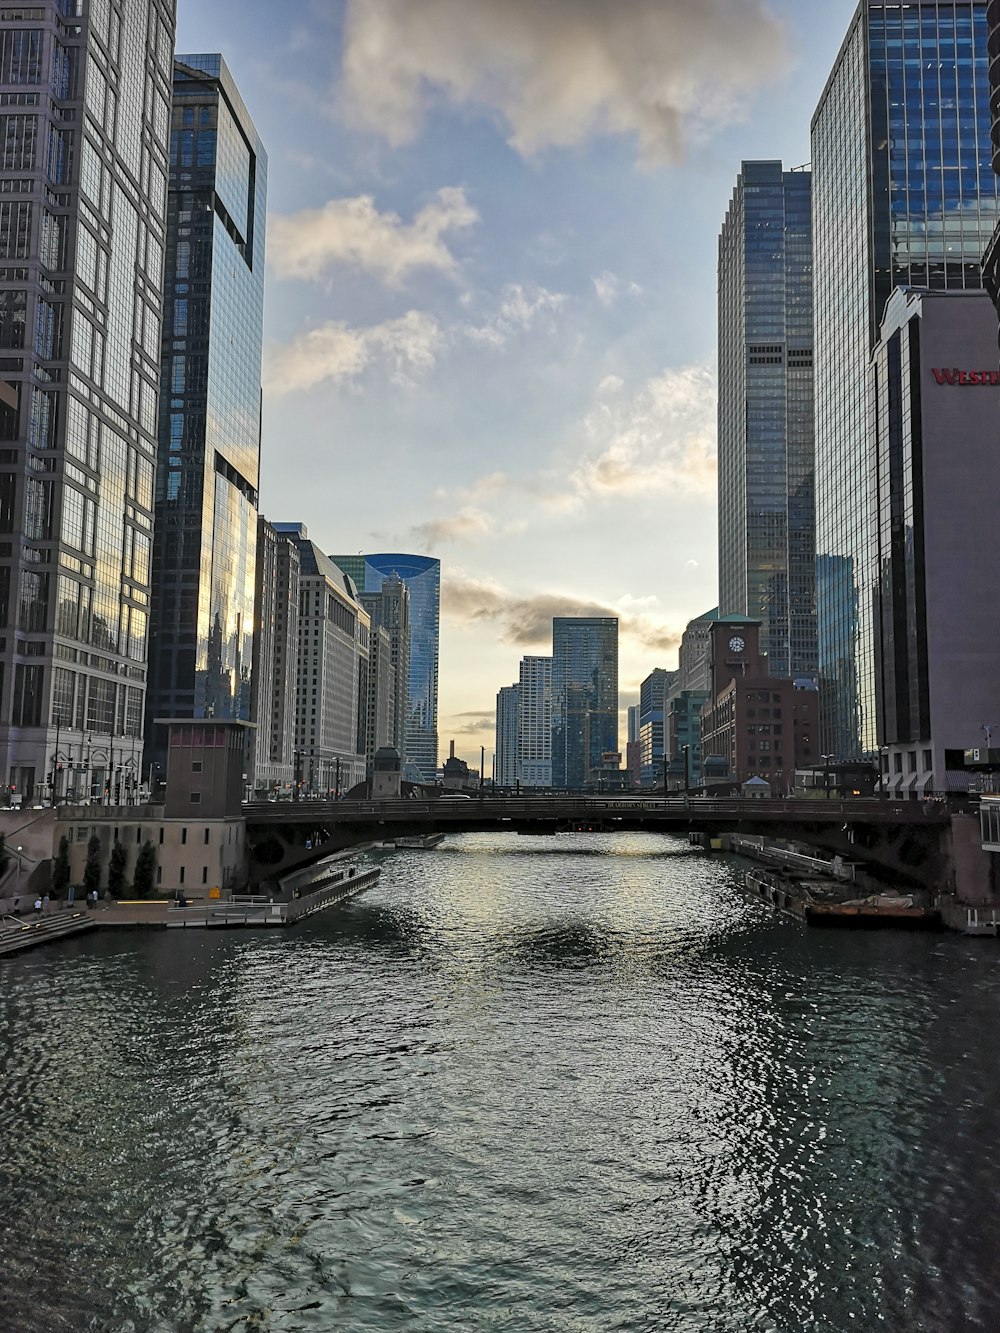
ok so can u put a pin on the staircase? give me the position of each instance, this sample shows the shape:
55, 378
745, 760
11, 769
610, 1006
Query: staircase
17, 934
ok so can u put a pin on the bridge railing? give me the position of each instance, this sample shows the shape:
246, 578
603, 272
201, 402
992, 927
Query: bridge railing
583, 808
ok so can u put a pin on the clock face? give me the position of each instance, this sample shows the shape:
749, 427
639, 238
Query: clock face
736, 644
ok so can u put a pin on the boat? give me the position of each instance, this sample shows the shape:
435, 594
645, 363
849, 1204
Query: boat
420, 842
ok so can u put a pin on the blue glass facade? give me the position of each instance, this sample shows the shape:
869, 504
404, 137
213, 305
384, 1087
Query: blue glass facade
903, 194
204, 551
584, 696
422, 576
766, 453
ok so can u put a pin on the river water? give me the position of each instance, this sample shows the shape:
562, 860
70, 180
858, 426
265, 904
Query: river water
564, 1083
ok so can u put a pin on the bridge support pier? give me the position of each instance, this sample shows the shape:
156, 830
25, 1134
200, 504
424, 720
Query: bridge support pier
974, 881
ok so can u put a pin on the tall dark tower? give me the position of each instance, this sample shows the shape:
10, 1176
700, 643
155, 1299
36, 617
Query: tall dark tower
204, 553
767, 548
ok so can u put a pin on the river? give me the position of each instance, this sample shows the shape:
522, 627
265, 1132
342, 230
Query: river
556, 1083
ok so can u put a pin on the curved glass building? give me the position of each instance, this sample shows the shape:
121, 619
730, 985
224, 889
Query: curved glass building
422, 576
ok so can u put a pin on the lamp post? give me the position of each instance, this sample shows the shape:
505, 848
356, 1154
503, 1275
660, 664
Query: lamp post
482, 765
336, 795
686, 751
17, 875
827, 760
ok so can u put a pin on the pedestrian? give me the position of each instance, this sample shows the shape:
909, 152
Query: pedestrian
17, 906
45, 905
38, 907
71, 895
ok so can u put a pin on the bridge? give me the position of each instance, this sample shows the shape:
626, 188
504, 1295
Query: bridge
913, 842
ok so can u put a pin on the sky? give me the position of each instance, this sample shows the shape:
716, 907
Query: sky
490, 329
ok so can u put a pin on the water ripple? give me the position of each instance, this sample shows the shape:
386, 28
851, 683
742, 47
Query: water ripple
567, 1083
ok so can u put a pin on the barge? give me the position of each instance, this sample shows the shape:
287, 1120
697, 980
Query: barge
820, 901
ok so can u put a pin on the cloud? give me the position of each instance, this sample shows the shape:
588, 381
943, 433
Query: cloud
609, 287
406, 346
519, 308
354, 232
662, 439
526, 621
468, 524
471, 724
663, 71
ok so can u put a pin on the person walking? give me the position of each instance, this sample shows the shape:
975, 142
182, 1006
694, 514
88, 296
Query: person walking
45, 905
38, 907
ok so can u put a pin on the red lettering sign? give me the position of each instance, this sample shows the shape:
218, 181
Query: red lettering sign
966, 377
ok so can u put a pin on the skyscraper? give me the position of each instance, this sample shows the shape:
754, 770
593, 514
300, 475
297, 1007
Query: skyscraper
390, 612
584, 696
766, 507
205, 542
275, 661
507, 735
332, 693
903, 194
534, 753
652, 695
85, 126
422, 576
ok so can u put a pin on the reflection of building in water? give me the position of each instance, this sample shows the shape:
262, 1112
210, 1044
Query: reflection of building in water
82, 227
204, 553
902, 196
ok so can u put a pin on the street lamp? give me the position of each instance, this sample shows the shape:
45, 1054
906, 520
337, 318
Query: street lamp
827, 761
686, 752
17, 876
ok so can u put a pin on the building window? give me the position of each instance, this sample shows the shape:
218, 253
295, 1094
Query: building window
161, 837
204, 874
184, 836
196, 798
182, 875
159, 874
195, 765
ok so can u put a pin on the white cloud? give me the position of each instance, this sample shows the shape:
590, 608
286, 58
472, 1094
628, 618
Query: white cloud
662, 439
354, 232
609, 287
520, 307
559, 71
407, 347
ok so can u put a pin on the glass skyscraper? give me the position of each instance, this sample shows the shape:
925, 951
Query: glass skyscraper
584, 696
204, 553
766, 463
422, 576
903, 194
84, 129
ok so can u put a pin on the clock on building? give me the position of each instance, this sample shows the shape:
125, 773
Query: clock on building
736, 644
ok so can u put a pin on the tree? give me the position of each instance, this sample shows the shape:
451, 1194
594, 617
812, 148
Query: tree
60, 870
145, 866
116, 870
92, 866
